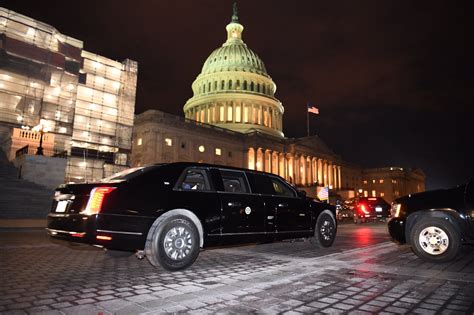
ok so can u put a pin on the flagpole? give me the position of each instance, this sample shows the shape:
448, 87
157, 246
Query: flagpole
307, 121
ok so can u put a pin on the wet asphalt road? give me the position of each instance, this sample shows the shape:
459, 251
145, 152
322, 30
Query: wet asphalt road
364, 272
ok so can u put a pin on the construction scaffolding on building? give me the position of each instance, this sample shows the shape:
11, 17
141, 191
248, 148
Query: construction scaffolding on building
85, 100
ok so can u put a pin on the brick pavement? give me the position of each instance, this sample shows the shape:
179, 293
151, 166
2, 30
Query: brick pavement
271, 278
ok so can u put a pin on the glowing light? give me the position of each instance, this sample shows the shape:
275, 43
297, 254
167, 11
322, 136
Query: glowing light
19, 118
201, 148
31, 32
99, 80
70, 87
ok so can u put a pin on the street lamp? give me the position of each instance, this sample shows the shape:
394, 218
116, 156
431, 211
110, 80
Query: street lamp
42, 129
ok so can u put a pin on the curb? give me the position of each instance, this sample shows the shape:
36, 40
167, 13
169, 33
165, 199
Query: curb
22, 223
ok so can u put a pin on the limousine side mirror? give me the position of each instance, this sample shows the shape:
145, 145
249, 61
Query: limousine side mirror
302, 193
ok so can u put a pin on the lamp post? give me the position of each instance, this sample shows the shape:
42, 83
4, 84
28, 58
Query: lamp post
41, 128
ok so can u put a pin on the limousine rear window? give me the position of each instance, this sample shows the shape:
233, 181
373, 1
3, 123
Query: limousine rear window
124, 175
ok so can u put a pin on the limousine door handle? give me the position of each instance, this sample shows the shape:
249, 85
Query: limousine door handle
282, 205
234, 204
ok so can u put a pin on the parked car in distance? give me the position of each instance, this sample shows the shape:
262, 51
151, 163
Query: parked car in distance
167, 212
371, 208
435, 223
346, 211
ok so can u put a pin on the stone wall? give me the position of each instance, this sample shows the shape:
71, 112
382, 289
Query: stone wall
43, 170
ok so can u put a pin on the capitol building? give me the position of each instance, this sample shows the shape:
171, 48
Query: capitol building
78, 108
234, 118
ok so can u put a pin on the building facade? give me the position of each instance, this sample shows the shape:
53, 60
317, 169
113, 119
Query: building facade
391, 182
81, 104
235, 119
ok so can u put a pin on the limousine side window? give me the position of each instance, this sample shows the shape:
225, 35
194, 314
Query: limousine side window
235, 182
194, 179
281, 189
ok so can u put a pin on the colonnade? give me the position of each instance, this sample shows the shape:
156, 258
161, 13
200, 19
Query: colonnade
236, 112
298, 169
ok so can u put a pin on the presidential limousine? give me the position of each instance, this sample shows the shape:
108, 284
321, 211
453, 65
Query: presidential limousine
168, 212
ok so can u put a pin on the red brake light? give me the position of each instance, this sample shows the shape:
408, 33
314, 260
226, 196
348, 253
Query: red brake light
96, 199
363, 208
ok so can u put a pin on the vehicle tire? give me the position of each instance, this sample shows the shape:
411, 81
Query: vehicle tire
435, 240
325, 230
172, 242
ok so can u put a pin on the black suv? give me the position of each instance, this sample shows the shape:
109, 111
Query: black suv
435, 223
167, 212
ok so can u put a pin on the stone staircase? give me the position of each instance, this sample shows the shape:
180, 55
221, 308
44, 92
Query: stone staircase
21, 199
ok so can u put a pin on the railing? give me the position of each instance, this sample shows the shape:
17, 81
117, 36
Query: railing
27, 150
22, 151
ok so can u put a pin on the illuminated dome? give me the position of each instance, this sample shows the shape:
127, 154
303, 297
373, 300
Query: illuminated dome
234, 91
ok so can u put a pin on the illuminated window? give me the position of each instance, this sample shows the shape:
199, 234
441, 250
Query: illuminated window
168, 142
397, 193
381, 181
374, 193
366, 193
382, 194
237, 114
373, 181
365, 182
218, 151
394, 181
139, 141
229, 113
221, 113
246, 114
201, 148
265, 118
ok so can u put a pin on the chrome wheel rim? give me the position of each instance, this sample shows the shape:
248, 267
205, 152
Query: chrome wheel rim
178, 243
326, 230
433, 240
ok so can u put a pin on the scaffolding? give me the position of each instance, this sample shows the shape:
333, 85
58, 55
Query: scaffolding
87, 101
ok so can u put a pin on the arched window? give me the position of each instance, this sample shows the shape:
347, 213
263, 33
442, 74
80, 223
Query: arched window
237, 85
252, 86
229, 112
263, 86
204, 88
209, 87
222, 84
237, 114
258, 87
245, 85
230, 85
215, 85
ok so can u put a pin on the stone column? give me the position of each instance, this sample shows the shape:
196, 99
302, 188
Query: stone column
339, 178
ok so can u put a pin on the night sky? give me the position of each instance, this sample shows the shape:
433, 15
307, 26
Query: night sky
393, 79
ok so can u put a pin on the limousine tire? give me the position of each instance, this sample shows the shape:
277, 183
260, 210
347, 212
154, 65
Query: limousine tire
172, 243
325, 230
435, 240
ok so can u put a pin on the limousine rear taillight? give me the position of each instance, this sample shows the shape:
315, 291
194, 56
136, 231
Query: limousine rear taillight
96, 199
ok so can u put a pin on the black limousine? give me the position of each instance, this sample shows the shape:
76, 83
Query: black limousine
435, 223
167, 212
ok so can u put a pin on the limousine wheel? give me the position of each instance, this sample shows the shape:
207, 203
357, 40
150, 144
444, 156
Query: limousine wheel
325, 230
435, 240
173, 243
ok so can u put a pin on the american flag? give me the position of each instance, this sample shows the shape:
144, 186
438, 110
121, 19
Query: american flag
323, 193
313, 109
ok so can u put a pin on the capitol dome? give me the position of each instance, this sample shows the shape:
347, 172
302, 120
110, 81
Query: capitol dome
234, 91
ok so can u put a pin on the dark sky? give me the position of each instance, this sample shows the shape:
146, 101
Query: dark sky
393, 79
